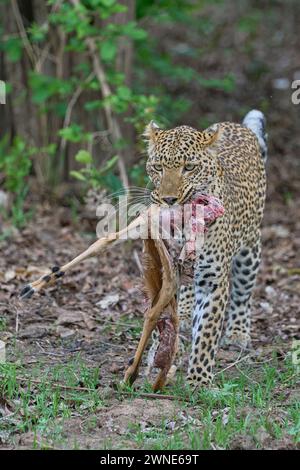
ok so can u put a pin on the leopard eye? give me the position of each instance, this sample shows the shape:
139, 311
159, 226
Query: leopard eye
157, 167
189, 167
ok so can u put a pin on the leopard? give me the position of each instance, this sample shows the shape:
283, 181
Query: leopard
227, 161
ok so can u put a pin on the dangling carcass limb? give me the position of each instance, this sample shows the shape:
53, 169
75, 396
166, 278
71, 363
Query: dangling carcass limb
160, 284
97, 247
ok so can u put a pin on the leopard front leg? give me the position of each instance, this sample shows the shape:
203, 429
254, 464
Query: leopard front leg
211, 296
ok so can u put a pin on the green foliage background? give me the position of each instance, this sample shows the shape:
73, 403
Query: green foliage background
160, 59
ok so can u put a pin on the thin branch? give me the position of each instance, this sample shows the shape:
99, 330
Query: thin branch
239, 359
70, 107
43, 55
23, 33
245, 375
86, 389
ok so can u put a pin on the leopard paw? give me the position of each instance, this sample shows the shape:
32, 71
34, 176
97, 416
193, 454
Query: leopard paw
199, 381
238, 339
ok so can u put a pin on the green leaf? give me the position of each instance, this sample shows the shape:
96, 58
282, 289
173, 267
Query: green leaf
108, 50
37, 32
91, 105
108, 3
84, 157
13, 48
45, 87
79, 176
130, 29
124, 93
74, 133
109, 164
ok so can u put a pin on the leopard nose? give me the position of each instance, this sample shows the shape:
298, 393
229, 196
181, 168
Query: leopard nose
170, 200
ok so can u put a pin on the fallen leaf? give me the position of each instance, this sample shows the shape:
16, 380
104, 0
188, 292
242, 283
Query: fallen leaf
90, 323
69, 317
9, 275
109, 301
65, 332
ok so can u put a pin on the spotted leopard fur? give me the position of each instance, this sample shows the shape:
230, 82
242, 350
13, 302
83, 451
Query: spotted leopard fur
226, 161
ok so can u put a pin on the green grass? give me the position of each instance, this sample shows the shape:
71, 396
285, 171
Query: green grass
3, 323
132, 326
38, 402
241, 406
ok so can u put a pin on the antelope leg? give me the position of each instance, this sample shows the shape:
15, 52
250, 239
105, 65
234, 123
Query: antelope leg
165, 296
168, 344
57, 272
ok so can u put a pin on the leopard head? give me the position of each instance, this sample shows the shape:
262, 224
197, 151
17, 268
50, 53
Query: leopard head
181, 162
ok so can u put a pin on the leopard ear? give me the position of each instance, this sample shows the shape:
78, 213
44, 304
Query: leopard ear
151, 131
211, 135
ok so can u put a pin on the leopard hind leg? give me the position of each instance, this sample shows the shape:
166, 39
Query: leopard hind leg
245, 265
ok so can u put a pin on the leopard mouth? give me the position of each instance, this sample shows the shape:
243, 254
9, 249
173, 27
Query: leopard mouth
194, 195
187, 198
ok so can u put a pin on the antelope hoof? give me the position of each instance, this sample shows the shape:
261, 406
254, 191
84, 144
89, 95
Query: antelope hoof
131, 375
27, 292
